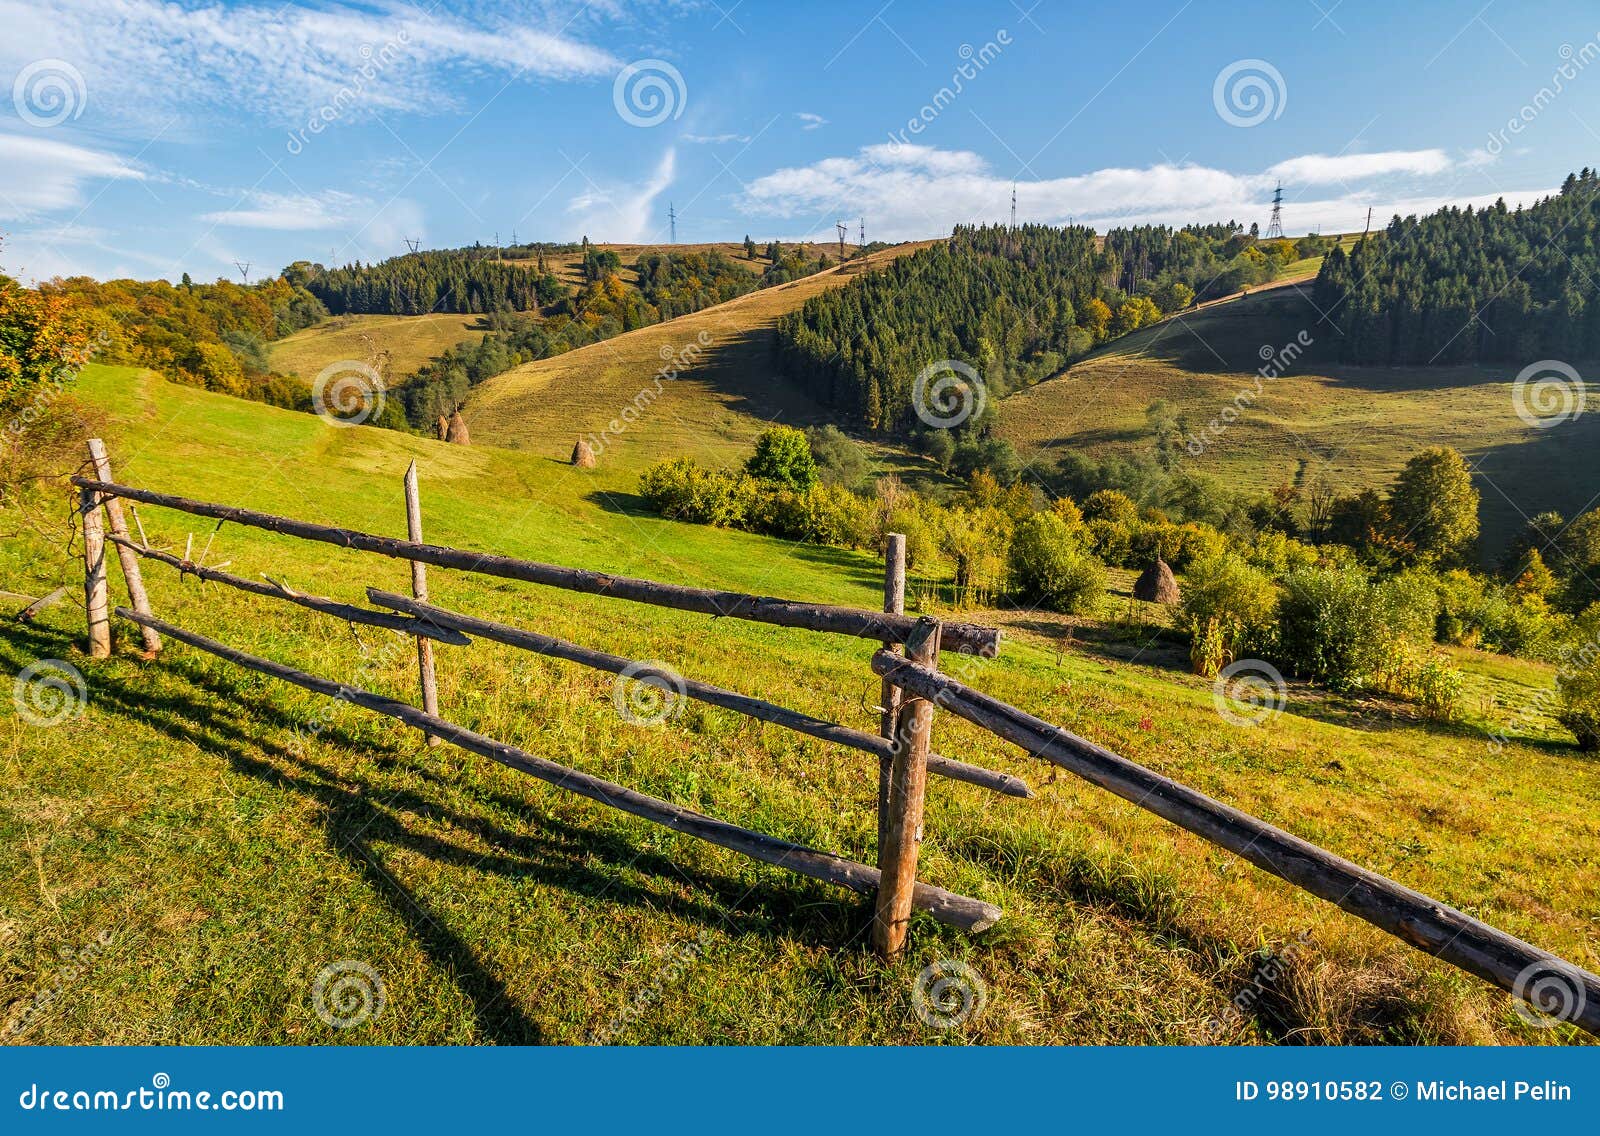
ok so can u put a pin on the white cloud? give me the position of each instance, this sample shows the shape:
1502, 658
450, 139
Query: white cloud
910, 191
1325, 169
288, 212
809, 121
146, 59
625, 214
40, 174
715, 139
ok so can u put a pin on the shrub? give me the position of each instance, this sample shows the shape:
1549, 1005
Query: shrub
1278, 554
840, 461
684, 490
1336, 626
1049, 566
783, 455
1228, 603
1578, 684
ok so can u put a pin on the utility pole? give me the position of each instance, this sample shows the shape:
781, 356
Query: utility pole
843, 229
861, 237
672, 220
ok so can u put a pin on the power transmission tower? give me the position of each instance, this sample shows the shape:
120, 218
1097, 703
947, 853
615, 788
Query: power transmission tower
843, 229
244, 270
672, 220
1013, 207
413, 245
861, 237
1275, 225
1368, 229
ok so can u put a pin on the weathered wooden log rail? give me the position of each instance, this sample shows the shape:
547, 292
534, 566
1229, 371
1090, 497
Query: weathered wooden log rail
1417, 919
957, 911
860, 623
443, 618
913, 690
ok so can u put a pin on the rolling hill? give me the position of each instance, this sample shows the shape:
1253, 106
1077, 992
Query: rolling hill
408, 342
725, 390
236, 835
1355, 425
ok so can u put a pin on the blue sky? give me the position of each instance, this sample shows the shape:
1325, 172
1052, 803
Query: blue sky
148, 138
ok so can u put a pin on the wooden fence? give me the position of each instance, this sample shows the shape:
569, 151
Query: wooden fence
913, 690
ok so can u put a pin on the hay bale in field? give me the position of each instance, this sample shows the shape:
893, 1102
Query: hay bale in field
583, 455
458, 431
444, 428
1157, 584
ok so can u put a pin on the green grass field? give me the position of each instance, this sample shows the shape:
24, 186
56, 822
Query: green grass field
407, 342
1357, 426
231, 837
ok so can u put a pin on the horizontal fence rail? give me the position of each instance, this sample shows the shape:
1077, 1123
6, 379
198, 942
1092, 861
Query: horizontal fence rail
273, 590
958, 911
716, 696
860, 623
1425, 923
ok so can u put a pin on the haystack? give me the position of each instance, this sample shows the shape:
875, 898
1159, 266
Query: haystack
1157, 584
458, 431
444, 428
583, 455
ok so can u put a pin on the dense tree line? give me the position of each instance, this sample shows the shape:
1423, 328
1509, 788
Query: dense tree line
446, 280
207, 335
1013, 305
1204, 262
1464, 285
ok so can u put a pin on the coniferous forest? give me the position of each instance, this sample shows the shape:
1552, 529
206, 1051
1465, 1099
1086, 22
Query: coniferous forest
1016, 305
1463, 286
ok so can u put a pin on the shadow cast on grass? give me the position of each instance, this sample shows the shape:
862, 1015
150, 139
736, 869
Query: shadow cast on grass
361, 815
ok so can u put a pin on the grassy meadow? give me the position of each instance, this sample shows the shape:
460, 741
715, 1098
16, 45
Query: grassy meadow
1356, 426
227, 837
407, 341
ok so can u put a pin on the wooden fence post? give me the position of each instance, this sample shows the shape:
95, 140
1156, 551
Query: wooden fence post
96, 602
908, 780
419, 591
131, 575
894, 603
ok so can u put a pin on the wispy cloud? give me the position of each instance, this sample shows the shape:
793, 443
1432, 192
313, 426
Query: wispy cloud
909, 191
715, 139
42, 175
627, 213
288, 212
143, 59
809, 121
